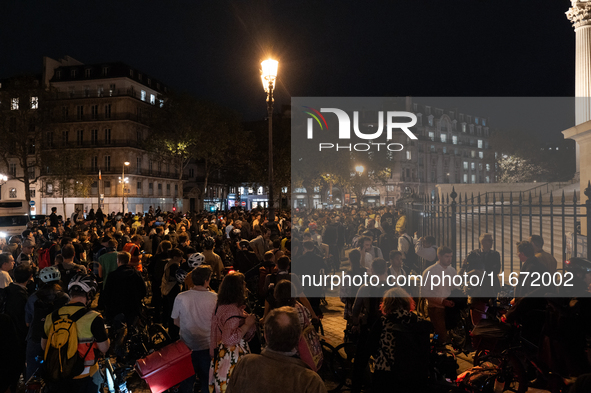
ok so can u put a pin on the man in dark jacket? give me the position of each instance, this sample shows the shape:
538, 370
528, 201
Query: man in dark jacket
531, 264
124, 291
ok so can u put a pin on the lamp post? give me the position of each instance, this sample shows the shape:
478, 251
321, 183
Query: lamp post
123, 180
268, 77
359, 169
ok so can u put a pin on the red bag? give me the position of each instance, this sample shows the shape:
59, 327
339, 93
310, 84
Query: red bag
309, 347
166, 368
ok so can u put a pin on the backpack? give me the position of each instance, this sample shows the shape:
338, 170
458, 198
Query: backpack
44, 255
412, 259
62, 360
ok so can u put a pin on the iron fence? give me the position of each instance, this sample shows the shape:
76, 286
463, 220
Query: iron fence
458, 221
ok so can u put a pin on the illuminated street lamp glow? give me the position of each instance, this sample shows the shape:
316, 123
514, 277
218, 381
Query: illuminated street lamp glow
269, 73
359, 169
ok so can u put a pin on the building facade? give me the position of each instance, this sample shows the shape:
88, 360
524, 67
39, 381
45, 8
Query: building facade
103, 110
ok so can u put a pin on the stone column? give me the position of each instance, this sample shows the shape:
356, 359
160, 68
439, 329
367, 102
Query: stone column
580, 16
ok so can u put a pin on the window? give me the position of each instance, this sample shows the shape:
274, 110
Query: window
107, 136
86, 91
454, 139
487, 179
50, 139
471, 129
152, 99
131, 73
149, 82
58, 75
31, 146
34, 102
108, 111
168, 189
12, 169
94, 112
176, 189
465, 178
79, 112
14, 104
476, 120
71, 91
480, 143
88, 72
160, 189
484, 124
191, 173
444, 149
107, 187
94, 163
138, 165
12, 193
473, 153
105, 71
463, 127
111, 89
472, 166
139, 76
80, 137
65, 137
33, 193
431, 121
428, 110
108, 163
150, 188
466, 165
443, 138
432, 136
100, 90
138, 135
480, 154
73, 73
433, 148
143, 95
138, 187
65, 113
94, 136
159, 167
487, 167
473, 179
408, 155
161, 103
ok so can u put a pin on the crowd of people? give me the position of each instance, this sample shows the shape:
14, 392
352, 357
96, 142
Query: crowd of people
204, 275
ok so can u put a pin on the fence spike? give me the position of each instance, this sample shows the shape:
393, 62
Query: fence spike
588, 190
575, 197
530, 197
478, 198
466, 198
551, 197
502, 198
540, 198
486, 198
447, 199
563, 197
454, 194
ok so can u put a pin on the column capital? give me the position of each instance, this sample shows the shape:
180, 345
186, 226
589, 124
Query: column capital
580, 13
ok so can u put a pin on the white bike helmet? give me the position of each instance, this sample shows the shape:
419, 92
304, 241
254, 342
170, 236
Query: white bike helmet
49, 274
196, 259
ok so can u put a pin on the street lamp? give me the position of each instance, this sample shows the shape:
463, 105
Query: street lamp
360, 169
123, 180
268, 77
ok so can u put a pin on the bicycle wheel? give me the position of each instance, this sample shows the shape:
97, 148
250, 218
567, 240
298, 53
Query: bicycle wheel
510, 368
330, 372
346, 352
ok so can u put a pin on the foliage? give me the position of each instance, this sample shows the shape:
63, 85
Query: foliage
25, 114
515, 169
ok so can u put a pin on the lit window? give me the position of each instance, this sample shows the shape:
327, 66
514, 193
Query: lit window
473, 178
443, 138
431, 121
161, 103
35, 104
480, 154
463, 128
473, 153
488, 167
14, 104
488, 179
260, 191
152, 99
466, 165
432, 136
454, 140
480, 143
408, 155
143, 95
556, 148
465, 178
472, 166
12, 193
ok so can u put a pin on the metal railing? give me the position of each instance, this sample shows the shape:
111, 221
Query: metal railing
458, 221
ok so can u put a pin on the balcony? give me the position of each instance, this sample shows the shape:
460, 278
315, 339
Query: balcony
101, 142
89, 117
66, 95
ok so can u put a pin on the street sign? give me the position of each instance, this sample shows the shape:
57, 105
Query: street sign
243, 203
32, 203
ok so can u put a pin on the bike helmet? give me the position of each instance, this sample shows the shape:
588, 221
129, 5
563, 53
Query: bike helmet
180, 275
235, 233
85, 282
196, 259
49, 274
244, 244
313, 226
208, 243
578, 265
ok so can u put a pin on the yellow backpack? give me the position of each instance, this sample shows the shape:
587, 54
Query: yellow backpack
62, 360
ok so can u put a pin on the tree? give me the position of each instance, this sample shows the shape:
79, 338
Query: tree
65, 170
515, 169
25, 114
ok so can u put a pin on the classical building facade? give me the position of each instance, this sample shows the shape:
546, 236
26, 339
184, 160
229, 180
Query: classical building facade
103, 109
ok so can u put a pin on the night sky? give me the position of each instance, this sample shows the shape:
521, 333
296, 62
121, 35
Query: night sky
213, 49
